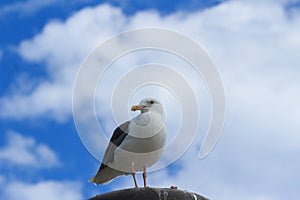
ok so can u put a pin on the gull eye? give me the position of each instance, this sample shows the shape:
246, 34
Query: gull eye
151, 102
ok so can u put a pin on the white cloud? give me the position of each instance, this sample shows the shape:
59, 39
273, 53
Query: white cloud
47, 190
254, 44
54, 96
25, 151
26, 7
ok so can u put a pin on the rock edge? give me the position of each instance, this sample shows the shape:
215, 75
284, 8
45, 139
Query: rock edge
149, 194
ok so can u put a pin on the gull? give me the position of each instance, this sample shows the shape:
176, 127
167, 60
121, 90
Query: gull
135, 145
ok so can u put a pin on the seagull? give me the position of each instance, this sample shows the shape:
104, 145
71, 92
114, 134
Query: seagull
135, 145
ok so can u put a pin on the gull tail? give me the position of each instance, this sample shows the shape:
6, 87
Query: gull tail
105, 175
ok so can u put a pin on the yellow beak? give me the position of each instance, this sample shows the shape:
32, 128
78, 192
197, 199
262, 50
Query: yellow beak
138, 107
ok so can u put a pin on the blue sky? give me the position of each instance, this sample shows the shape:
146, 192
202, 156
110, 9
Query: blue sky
255, 45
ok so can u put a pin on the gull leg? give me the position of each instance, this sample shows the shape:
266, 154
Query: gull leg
133, 175
144, 177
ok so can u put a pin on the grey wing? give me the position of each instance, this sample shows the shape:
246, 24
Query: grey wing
120, 133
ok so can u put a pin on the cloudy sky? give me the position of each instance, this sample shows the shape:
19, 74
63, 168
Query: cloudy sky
254, 44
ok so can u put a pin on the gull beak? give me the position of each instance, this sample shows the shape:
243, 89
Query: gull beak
138, 107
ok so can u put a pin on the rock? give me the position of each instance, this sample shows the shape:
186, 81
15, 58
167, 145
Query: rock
149, 194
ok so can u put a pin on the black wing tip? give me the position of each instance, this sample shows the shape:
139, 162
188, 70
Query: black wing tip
102, 166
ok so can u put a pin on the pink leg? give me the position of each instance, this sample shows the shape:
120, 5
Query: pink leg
133, 175
144, 177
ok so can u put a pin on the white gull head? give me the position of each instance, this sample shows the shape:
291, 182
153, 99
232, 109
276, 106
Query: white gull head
150, 121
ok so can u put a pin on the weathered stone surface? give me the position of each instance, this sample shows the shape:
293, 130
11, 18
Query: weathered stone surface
149, 194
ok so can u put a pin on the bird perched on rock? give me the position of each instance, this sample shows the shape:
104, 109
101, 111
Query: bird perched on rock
135, 145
